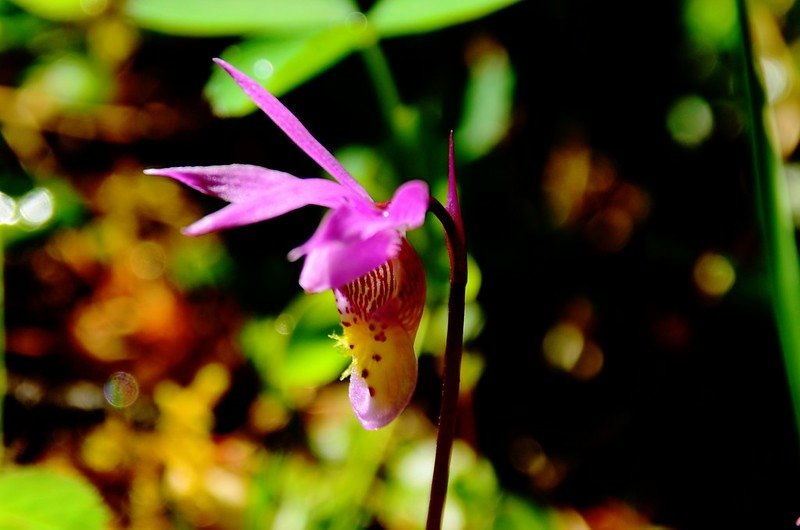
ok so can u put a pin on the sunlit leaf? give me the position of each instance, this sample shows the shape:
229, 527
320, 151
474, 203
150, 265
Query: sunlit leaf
39, 499
392, 18
312, 357
235, 17
311, 363
294, 349
487, 105
280, 64
61, 9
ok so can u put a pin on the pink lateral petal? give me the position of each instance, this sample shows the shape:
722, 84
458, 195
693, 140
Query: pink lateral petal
277, 201
295, 130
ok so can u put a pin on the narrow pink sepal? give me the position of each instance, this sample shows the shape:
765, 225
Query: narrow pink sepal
453, 207
268, 197
295, 130
233, 182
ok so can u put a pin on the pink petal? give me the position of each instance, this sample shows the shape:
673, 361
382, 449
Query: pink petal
358, 237
405, 211
233, 183
295, 130
331, 262
277, 201
409, 205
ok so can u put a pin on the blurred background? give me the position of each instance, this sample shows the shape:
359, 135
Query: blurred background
622, 366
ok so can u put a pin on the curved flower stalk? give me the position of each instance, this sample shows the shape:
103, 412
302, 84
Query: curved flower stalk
359, 250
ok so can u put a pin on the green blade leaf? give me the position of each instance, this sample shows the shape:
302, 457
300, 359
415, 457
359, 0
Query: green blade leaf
392, 18
39, 499
279, 64
775, 215
487, 105
235, 17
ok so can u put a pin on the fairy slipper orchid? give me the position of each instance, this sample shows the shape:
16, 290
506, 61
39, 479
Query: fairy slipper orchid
359, 250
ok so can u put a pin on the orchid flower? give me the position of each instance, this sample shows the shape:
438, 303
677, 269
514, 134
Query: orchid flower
359, 251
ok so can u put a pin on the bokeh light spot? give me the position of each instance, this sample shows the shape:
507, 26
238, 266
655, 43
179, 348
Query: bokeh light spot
263, 69
121, 390
284, 324
36, 207
610, 230
690, 120
776, 77
590, 362
562, 346
8, 210
712, 21
357, 20
83, 395
713, 274
148, 260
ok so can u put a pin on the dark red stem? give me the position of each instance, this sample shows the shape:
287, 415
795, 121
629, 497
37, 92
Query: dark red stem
452, 362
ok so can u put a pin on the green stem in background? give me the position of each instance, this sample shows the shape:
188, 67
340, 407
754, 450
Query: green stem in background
450, 217
400, 119
775, 214
385, 86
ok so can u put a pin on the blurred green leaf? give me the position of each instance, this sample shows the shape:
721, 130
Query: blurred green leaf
265, 348
18, 29
392, 18
487, 105
199, 262
294, 349
235, 17
279, 64
39, 499
712, 22
354, 476
62, 10
516, 513
71, 79
311, 363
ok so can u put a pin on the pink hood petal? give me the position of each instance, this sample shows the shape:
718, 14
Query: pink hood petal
409, 205
331, 263
295, 130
